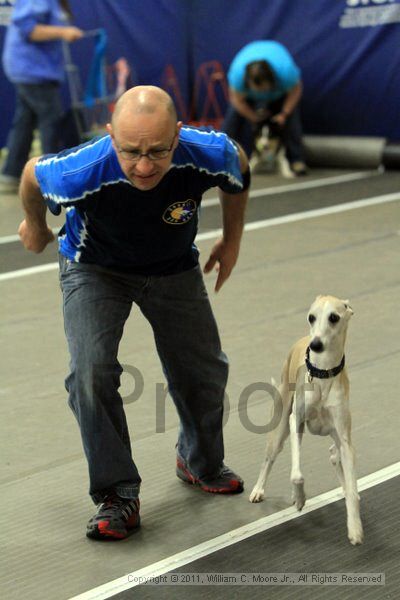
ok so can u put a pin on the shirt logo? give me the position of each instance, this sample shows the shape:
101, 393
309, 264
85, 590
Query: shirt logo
180, 213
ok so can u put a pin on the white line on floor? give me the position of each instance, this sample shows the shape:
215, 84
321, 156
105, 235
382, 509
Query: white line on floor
308, 214
207, 235
302, 185
8, 239
269, 191
28, 271
231, 537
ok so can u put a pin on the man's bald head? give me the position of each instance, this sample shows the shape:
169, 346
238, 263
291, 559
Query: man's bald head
144, 133
143, 99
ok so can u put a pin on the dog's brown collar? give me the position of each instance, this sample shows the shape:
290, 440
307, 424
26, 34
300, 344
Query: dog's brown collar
313, 371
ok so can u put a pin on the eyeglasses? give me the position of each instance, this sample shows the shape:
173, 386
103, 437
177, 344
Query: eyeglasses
135, 155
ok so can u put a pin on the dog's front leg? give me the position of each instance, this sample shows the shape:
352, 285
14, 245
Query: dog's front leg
275, 443
354, 525
296, 425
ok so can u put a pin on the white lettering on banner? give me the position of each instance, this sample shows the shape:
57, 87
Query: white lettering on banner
354, 3
370, 13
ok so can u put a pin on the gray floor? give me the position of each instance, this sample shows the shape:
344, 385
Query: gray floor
260, 311
312, 545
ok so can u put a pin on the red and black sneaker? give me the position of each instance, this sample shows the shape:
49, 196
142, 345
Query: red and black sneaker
225, 482
116, 519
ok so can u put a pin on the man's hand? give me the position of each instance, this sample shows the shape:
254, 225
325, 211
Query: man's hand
35, 238
71, 34
223, 257
280, 119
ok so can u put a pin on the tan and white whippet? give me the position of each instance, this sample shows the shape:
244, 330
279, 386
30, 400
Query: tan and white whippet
314, 389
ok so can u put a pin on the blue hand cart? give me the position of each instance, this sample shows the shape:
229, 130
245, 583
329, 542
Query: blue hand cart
91, 102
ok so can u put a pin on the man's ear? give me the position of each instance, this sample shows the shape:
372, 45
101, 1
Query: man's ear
178, 128
110, 132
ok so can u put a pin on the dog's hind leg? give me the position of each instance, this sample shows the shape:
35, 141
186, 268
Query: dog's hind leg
342, 423
274, 446
296, 477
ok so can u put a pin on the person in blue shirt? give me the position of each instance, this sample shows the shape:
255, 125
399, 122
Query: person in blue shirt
33, 62
132, 199
265, 88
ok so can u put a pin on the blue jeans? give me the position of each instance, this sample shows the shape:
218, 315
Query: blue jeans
37, 106
97, 302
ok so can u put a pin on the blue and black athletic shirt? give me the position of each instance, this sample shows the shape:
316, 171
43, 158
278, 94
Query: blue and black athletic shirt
111, 223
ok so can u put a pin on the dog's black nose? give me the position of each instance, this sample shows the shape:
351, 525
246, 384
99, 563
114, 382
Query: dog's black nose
316, 345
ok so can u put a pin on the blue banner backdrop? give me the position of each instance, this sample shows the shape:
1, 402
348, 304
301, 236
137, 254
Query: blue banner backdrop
348, 51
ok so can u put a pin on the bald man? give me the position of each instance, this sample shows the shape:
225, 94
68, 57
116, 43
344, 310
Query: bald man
131, 200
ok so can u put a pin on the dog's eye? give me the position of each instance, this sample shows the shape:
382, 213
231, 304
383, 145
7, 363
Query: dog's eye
333, 318
311, 319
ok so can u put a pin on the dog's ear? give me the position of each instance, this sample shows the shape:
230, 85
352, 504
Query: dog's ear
348, 307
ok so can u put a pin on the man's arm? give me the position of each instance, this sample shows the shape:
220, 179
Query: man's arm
33, 231
46, 33
225, 251
240, 104
291, 101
